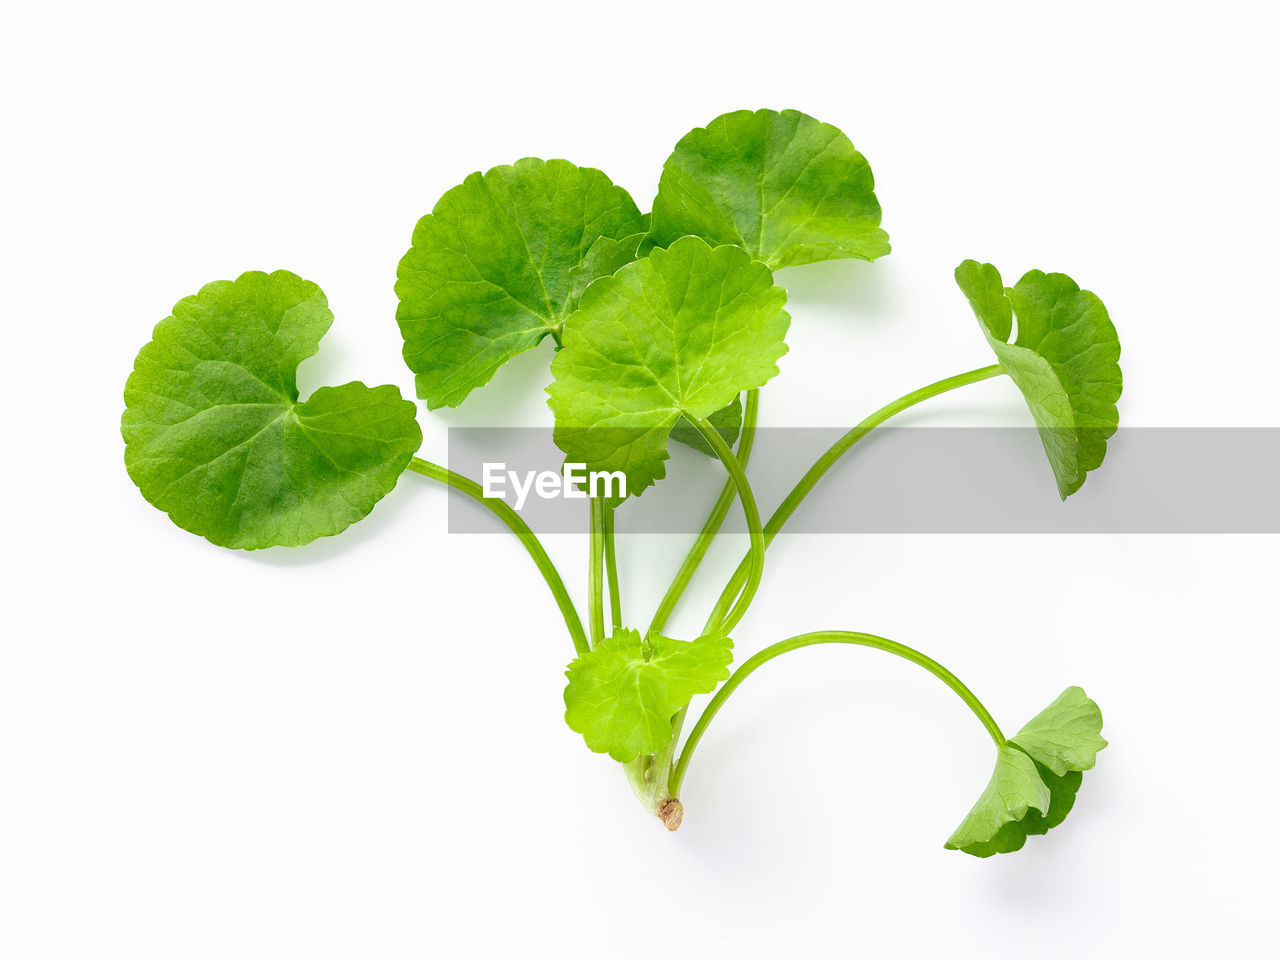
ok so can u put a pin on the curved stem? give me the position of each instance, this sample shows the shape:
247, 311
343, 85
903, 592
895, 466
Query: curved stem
828, 460
515, 523
755, 558
807, 640
611, 569
595, 573
714, 521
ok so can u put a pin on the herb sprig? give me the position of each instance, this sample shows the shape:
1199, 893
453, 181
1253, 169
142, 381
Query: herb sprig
666, 327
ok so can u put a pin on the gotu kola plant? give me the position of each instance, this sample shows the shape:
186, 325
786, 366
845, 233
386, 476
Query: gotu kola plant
666, 326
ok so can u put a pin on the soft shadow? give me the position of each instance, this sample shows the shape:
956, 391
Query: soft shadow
1053, 869
515, 395
857, 287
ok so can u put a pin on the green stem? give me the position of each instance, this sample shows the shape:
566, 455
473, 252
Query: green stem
716, 519
807, 640
826, 462
595, 573
515, 523
755, 557
611, 568
648, 775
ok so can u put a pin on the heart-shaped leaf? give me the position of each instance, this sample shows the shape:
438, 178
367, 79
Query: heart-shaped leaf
1037, 775
683, 331
489, 273
1064, 359
216, 437
783, 186
622, 695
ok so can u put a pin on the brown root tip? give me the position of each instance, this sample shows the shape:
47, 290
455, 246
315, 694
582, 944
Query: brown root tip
671, 813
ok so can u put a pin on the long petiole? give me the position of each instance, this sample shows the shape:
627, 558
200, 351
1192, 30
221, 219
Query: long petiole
824, 463
611, 569
808, 640
714, 521
595, 573
755, 557
515, 523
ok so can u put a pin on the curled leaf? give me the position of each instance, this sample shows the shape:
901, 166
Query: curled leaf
1014, 792
216, 437
1066, 735
1037, 775
1064, 359
489, 273
622, 695
785, 187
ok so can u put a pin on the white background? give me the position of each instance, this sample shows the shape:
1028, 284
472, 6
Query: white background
356, 749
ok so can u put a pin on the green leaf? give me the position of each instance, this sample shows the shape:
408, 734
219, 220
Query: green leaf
1066, 735
216, 437
683, 331
1062, 797
488, 274
605, 258
992, 825
1037, 775
1064, 360
622, 695
783, 186
726, 420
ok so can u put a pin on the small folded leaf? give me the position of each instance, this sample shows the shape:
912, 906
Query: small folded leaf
488, 274
1037, 775
622, 695
1064, 360
216, 437
683, 331
783, 186
1066, 735
726, 420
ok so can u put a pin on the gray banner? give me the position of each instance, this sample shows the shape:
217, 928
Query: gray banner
910, 480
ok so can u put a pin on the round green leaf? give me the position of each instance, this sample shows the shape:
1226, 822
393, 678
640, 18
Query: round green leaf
605, 258
215, 435
681, 332
1064, 359
783, 186
489, 273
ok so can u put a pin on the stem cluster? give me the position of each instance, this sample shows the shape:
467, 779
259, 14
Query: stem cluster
657, 778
